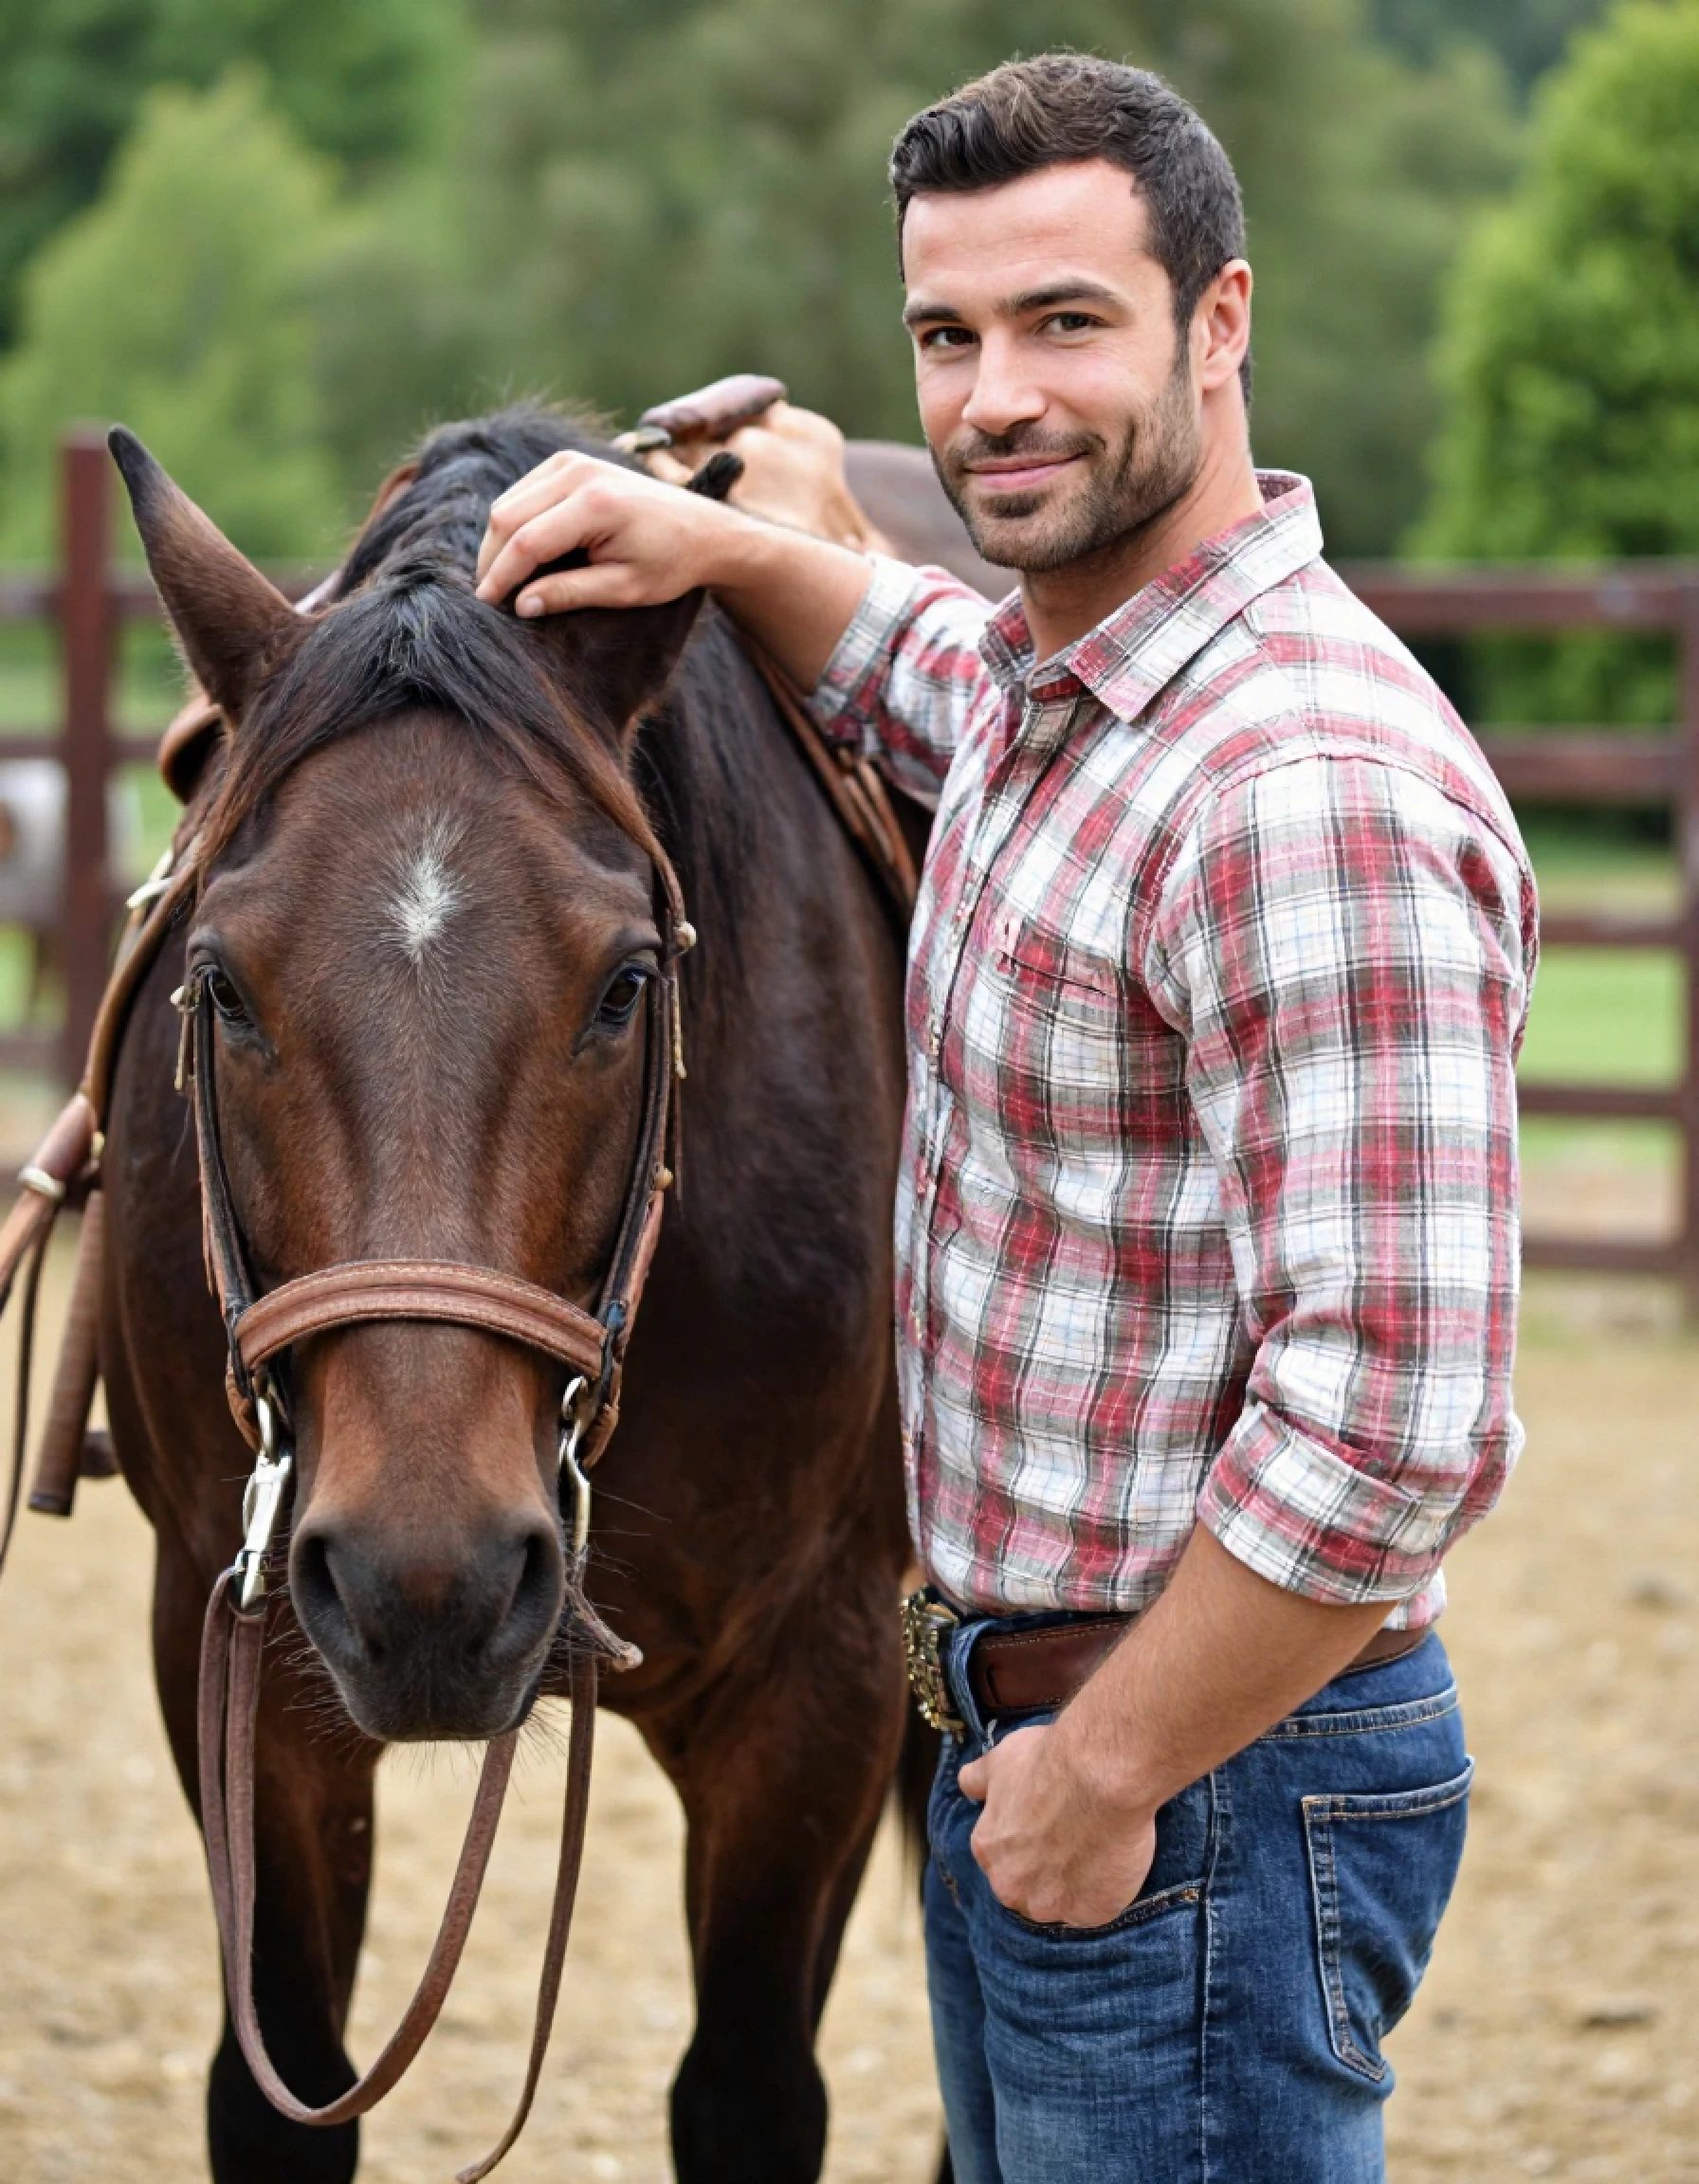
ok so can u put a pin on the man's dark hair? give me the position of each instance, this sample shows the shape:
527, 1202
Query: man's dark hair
1061, 107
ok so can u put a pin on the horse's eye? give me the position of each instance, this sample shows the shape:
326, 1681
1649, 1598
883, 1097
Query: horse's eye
226, 999
618, 1004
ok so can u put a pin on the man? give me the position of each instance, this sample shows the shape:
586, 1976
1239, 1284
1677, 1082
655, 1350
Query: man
1207, 1230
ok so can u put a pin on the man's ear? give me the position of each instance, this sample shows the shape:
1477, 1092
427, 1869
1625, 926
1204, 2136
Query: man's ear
232, 624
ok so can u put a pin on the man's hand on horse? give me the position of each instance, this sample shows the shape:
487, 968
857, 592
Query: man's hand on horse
1052, 1841
782, 570
646, 542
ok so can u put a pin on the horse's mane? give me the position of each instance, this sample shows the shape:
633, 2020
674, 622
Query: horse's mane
435, 523
404, 633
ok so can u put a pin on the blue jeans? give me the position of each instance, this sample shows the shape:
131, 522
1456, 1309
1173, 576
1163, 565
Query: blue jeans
1226, 2028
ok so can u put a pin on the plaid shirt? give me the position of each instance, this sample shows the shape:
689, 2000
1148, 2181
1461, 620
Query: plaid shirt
1207, 1203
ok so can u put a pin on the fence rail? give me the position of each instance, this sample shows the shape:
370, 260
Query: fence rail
1594, 767
90, 601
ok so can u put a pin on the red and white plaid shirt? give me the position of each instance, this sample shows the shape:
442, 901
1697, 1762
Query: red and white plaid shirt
1208, 1204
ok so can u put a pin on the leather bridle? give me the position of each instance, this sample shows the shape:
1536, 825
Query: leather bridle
261, 1328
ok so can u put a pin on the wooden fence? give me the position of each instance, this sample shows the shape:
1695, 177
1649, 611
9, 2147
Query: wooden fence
90, 601
1595, 767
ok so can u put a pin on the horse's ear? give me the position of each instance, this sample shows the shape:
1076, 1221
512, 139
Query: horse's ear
230, 622
615, 662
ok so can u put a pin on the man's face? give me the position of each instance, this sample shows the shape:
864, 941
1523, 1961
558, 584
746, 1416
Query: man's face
1056, 392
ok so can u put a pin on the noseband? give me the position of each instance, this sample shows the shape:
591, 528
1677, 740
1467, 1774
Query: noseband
261, 1329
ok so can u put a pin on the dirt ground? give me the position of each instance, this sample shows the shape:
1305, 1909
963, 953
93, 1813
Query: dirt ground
1553, 2037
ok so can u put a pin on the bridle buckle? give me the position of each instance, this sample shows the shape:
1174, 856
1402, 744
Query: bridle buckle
261, 1500
578, 1409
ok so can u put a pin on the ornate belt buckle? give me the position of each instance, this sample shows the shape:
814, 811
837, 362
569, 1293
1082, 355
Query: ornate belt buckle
925, 1619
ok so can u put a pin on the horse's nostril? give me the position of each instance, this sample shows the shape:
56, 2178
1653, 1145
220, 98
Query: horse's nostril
324, 1609
533, 1606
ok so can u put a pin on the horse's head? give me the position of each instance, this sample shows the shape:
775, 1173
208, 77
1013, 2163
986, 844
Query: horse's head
427, 924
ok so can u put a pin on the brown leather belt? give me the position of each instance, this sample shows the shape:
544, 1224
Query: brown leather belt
1033, 1671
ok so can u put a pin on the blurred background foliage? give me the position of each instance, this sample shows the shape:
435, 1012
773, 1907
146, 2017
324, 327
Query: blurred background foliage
365, 80
1569, 362
280, 240
185, 310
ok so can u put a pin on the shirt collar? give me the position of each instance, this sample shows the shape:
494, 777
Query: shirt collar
1138, 650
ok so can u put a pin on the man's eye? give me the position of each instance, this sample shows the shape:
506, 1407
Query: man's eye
226, 999
618, 1004
1070, 322
946, 338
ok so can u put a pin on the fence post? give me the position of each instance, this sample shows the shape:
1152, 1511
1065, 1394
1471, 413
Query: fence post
87, 628
1686, 824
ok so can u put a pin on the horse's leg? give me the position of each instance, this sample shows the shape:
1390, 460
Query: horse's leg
783, 1773
313, 1861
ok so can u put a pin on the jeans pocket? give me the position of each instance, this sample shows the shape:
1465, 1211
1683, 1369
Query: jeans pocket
1380, 1870
1177, 1880
1146, 1905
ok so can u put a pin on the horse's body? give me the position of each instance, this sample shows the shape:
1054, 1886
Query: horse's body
416, 925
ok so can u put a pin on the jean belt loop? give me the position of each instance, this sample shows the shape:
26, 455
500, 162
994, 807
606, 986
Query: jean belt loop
961, 1643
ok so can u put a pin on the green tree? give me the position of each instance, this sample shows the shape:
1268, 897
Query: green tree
365, 80
1528, 36
659, 190
181, 305
1570, 357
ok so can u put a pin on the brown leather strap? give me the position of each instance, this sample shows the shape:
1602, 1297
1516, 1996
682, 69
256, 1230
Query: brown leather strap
854, 786
1021, 1671
33, 1282
1031, 1671
228, 1707
420, 1289
58, 1461
715, 411
59, 1164
575, 1815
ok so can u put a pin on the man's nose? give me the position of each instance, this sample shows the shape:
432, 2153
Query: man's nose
1006, 391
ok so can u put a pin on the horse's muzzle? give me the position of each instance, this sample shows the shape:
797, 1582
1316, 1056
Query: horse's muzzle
429, 1640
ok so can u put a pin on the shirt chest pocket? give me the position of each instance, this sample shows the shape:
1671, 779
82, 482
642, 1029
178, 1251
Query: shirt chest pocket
1079, 1050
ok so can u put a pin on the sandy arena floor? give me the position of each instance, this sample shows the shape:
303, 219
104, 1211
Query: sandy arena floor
1553, 2037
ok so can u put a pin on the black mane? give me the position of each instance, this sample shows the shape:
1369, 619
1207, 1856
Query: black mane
433, 527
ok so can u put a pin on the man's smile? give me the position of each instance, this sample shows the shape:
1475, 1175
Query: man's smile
1018, 473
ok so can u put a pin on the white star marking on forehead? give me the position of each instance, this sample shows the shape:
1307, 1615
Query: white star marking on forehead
426, 892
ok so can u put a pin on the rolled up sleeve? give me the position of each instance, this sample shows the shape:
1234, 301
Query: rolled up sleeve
1345, 949
907, 673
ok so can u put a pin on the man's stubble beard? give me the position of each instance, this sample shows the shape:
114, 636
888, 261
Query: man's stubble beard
1157, 462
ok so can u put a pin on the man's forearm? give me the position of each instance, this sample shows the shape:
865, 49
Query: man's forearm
794, 595
1221, 1657
1068, 1828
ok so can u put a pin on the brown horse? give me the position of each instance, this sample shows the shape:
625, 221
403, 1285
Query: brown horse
426, 925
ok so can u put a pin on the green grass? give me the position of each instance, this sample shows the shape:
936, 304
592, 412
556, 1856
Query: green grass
1613, 1015
1607, 1014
